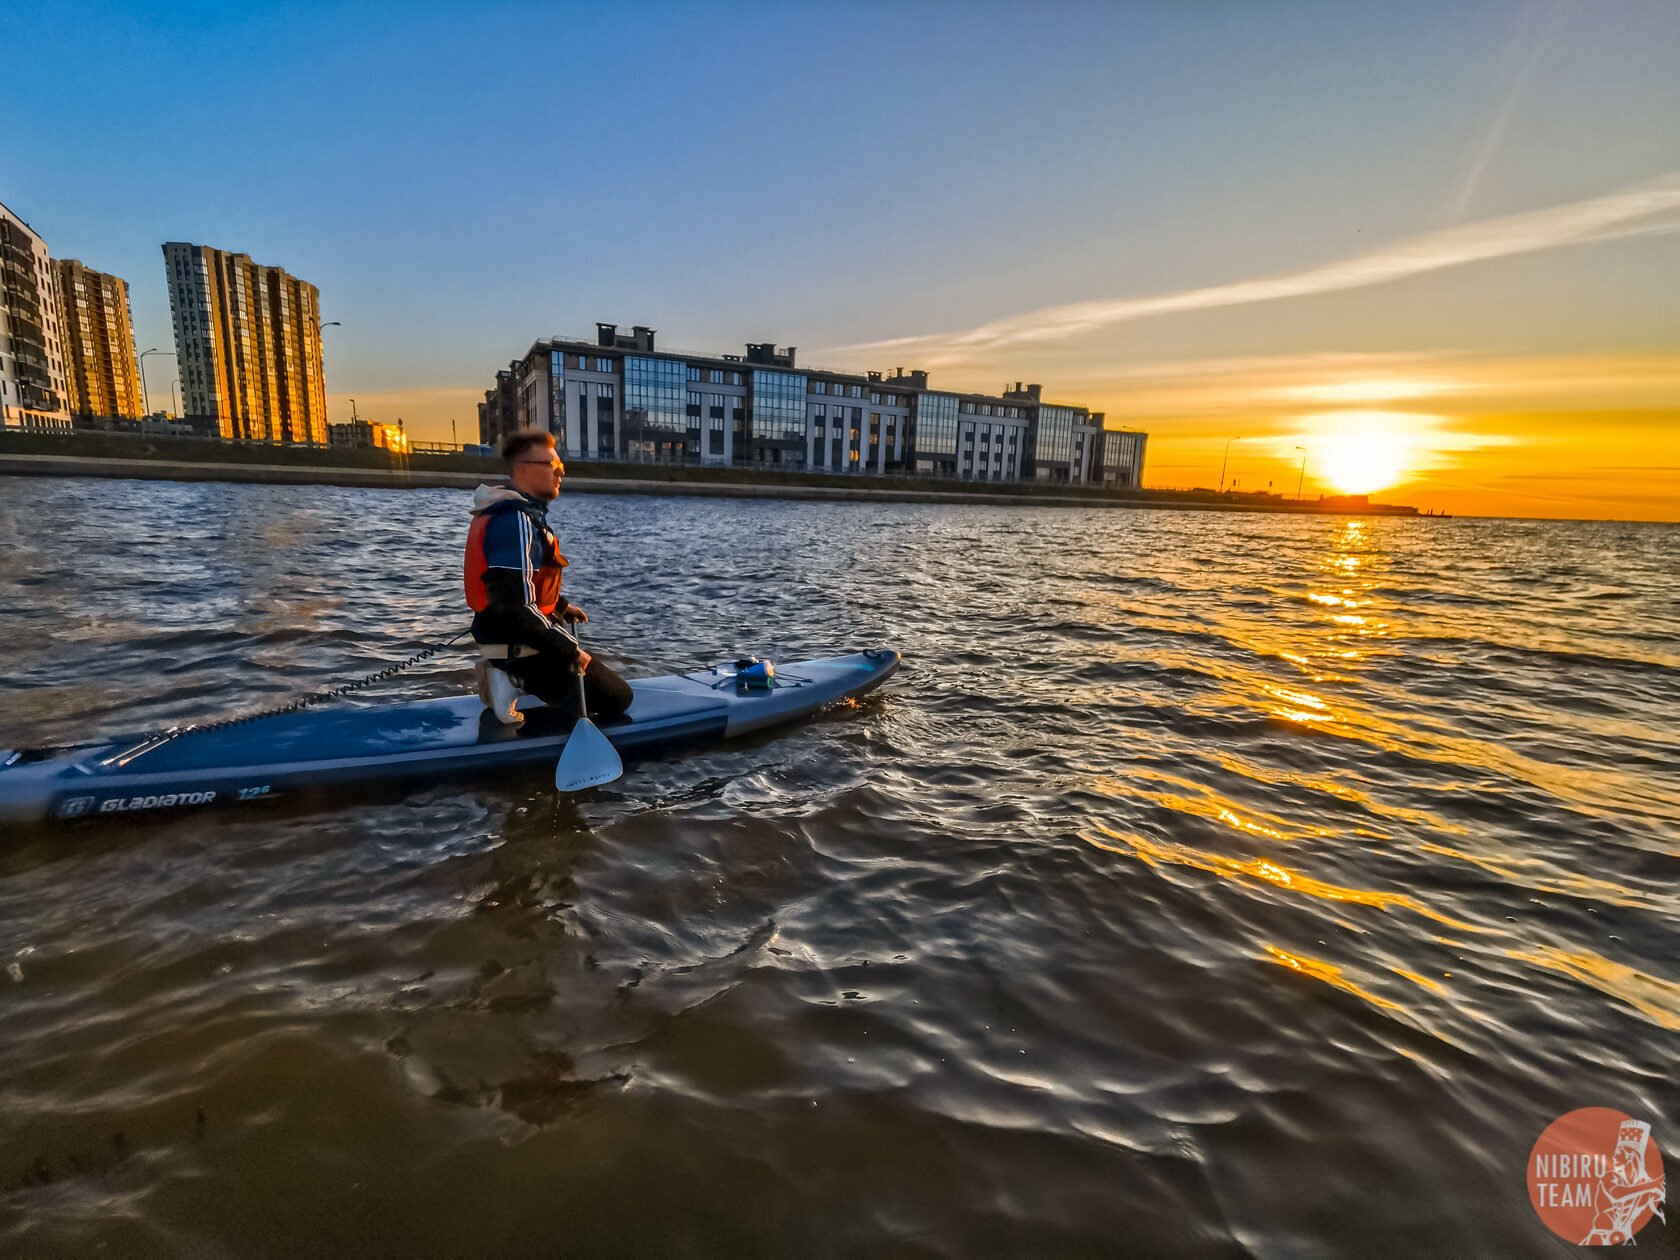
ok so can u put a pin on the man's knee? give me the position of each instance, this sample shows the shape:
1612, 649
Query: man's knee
550, 683
609, 693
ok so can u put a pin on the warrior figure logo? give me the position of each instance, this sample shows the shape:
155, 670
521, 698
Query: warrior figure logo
1626, 1193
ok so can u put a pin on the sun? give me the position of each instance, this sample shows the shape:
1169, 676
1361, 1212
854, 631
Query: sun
1357, 452
1358, 463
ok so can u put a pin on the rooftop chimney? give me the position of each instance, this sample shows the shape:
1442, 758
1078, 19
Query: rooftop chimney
765, 352
604, 333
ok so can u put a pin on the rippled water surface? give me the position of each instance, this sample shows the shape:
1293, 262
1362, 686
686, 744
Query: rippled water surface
1205, 885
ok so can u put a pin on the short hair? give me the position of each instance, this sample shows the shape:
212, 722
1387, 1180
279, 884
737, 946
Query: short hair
514, 445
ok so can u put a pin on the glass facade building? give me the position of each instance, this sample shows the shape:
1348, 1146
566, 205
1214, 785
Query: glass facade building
936, 426
1055, 434
622, 399
1122, 458
778, 407
658, 389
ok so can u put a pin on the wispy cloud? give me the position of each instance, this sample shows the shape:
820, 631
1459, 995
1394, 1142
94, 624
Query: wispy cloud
1216, 389
1537, 32
1626, 212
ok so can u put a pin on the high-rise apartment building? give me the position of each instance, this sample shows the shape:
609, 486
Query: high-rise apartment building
99, 364
249, 341
33, 394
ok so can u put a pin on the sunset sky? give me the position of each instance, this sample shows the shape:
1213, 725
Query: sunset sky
1436, 246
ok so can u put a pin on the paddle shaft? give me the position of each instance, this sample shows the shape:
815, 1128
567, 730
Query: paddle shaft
588, 759
571, 631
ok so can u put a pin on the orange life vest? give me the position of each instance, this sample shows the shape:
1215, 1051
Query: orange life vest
543, 564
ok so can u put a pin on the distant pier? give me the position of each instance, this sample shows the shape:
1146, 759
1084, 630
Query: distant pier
586, 479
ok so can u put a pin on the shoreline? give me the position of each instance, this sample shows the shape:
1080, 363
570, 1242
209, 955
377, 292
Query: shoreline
24, 465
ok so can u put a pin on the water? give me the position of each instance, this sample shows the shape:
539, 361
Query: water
1205, 885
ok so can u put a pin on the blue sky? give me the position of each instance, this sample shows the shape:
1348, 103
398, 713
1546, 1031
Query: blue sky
459, 180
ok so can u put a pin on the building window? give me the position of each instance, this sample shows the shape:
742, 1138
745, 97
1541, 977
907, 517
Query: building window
1055, 434
657, 389
936, 425
778, 400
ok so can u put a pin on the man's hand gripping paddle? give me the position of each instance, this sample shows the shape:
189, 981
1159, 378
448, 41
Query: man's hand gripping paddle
588, 759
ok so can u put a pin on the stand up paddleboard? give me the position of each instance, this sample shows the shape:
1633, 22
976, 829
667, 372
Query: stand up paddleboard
331, 750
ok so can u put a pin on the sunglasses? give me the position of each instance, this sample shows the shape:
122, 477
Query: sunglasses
555, 464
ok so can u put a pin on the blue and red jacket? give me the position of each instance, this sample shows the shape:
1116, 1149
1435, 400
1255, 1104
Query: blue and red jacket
513, 572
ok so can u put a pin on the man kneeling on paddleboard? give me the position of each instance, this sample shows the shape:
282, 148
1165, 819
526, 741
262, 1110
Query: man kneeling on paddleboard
513, 569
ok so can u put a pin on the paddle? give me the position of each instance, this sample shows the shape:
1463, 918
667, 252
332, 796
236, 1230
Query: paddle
589, 759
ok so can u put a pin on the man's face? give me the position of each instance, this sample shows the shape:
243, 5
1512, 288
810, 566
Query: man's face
538, 471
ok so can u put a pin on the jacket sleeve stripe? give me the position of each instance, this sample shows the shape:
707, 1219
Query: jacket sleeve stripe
525, 553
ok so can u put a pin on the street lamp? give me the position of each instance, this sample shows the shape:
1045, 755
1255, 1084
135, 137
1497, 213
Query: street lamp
1301, 480
1222, 462
147, 392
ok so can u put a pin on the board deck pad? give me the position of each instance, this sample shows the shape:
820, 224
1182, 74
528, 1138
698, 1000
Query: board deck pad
418, 740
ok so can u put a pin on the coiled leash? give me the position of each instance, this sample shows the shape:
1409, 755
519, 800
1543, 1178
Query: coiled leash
157, 739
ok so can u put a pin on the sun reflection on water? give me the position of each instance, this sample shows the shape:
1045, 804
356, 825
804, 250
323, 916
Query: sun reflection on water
1156, 852
1331, 975
1655, 998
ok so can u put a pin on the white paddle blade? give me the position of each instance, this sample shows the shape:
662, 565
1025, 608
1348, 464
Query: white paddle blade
589, 759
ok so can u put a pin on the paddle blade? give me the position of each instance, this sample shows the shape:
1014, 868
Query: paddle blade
589, 759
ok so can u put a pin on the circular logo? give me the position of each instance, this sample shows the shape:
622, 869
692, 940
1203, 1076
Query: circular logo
1596, 1177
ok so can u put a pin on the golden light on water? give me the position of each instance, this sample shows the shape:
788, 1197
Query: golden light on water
1331, 975
1165, 852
